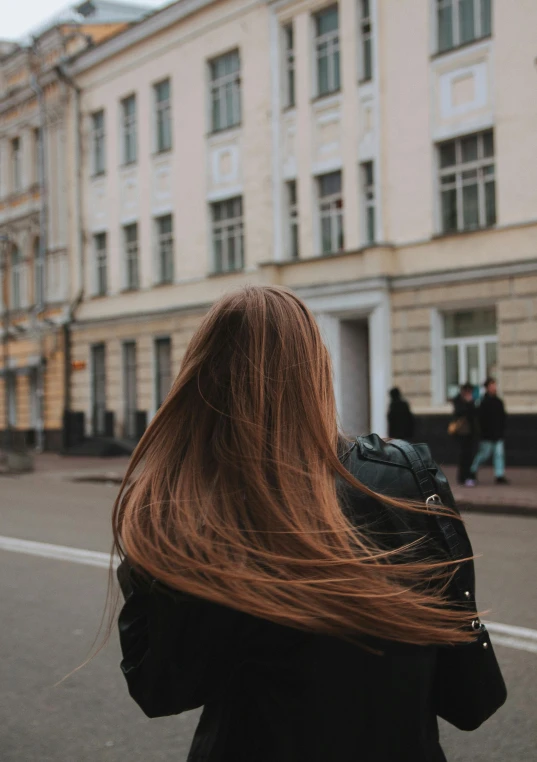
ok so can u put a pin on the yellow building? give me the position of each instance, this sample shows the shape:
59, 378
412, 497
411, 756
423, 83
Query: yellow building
377, 157
36, 203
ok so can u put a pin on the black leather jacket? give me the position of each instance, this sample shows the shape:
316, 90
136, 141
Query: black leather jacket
275, 694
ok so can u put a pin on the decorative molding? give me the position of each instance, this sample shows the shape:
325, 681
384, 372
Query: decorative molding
508, 270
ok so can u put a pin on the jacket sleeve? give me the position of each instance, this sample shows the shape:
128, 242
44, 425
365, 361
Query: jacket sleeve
178, 651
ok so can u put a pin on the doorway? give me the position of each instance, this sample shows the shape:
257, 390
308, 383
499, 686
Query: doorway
355, 409
129, 386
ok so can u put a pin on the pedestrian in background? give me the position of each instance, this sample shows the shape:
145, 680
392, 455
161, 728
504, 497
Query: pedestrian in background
464, 428
401, 422
491, 416
281, 575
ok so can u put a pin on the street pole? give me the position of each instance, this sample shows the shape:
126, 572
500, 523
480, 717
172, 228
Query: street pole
4, 244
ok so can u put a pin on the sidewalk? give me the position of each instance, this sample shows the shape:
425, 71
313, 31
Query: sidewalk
519, 498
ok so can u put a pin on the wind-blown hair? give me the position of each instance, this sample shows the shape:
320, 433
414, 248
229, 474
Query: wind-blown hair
231, 493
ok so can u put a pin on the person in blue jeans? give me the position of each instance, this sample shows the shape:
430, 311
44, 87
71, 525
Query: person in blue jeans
491, 416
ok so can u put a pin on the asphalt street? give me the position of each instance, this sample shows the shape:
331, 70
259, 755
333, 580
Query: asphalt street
51, 610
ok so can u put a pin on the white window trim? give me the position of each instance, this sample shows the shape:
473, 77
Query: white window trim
435, 28
96, 134
218, 84
159, 239
288, 64
332, 214
457, 170
292, 219
129, 123
158, 106
438, 342
128, 248
368, 203
237, 223
362, 38
333, 38
96, 264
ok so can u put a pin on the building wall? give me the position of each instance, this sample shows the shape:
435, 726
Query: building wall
416, 99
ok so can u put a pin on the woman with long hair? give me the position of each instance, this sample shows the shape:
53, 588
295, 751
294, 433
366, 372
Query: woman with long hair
288, 579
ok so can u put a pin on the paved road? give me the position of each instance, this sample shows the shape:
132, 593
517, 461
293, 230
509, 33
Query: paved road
51, 611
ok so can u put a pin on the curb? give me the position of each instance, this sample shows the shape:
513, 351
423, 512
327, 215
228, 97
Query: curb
526, 511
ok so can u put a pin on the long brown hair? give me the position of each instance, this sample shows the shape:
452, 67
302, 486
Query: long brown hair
231, 492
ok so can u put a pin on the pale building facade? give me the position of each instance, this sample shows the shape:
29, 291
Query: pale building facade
378, 158
36, 205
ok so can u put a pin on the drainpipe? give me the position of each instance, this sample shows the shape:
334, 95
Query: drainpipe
43, 246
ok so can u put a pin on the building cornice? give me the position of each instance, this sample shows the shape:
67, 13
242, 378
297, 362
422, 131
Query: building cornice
444, 277
139, 31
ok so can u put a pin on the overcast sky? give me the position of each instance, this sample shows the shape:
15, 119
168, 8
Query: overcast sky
18, 17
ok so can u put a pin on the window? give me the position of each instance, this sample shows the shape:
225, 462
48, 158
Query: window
101, 280
11, 398
98, 389
129, 389
38, 156
16, 163
130, 242
461, 21
366, 41
292, 206
163, 116
17, 278
368, 191
165, 269
128, 128
331, 212
97, 142
289, 65
470, 348
327, 50
228, 235
39, 270
163, 375
225, 91
467, 186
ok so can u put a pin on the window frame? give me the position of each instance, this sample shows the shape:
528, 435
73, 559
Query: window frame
365, 21
164, 251
369, 202
333, 53
217, 92
100, 264
17, 268
333, 211
162, 341
293, 225
129, 130
289, 65
98, 143
229, 227
455, 27
131, 251
462, 343
163, 116
129, 352
458, 169
16, 165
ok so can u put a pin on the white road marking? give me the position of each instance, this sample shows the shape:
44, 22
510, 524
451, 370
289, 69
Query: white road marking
59, 552
520, 638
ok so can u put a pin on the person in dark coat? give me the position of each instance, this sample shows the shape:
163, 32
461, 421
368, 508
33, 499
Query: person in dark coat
279, 574
492, 417
465, 418
401, 423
